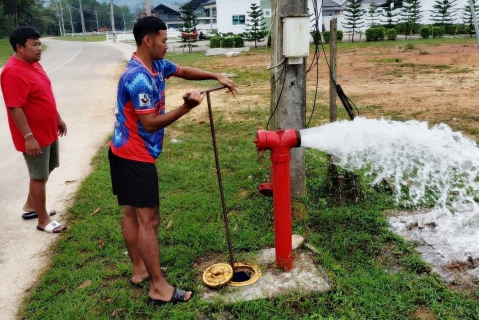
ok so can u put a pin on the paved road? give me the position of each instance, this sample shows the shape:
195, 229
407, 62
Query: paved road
84, 77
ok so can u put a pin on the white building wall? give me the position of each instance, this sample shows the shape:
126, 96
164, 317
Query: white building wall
226, 9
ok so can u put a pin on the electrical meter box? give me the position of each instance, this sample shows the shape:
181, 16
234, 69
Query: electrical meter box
295, 38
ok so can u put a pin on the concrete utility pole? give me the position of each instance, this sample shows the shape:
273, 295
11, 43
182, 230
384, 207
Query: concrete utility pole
289, 87
148, 8
97, 25
474, 20
82, 20
112, 21
61, 15
71, 21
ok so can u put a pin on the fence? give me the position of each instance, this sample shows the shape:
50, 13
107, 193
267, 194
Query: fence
173, 35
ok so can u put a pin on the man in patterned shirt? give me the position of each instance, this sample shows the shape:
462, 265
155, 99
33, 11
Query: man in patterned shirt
136, 144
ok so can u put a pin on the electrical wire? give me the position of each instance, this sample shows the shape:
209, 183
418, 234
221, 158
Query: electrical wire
345, 100
315, 61
282, 75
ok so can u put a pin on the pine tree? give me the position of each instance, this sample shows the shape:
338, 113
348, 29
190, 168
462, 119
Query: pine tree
256, 29
390, 16
188, 32
354, 16
410, 15
443, 12
467, 16
372, 13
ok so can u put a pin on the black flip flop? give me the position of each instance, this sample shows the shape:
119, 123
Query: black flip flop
177, 297
34, 215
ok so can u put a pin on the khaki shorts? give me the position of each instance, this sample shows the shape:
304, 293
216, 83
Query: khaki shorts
39, 167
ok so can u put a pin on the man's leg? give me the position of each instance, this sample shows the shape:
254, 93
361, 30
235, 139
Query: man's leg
148, 221
40, 168
38, 196
29, 206
129, 228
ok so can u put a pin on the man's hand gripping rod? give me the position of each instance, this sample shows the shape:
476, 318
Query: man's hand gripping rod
206, 91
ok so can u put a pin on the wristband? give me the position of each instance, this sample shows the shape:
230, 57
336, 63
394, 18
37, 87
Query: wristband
27, 135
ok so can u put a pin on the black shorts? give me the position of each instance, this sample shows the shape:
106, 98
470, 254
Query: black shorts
134, 183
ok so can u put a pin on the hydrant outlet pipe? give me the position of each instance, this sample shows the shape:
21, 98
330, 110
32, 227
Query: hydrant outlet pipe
280, 143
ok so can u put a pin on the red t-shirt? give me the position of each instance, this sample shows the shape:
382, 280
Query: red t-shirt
27, 86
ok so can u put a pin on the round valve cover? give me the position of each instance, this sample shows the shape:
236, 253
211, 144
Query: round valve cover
217, 275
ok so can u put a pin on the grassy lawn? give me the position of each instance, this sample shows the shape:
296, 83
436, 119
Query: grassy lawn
86, 38
5, 51
374, 273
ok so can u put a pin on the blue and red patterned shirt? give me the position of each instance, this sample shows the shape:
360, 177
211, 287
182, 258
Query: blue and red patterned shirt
140, 92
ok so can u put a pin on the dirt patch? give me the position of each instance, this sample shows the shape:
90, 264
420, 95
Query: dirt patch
434, 83
427, 83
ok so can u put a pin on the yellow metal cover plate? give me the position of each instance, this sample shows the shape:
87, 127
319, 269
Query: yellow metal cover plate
217, 275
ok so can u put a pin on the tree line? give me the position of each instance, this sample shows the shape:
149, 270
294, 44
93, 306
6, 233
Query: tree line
408, 17
57, 17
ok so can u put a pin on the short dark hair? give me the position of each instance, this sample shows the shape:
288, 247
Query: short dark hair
147, 26
21, 34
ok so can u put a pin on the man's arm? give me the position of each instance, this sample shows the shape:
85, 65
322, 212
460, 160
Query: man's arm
31, 145
188, 73
152, 122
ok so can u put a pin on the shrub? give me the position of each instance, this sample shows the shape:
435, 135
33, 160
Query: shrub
452, 29
327, 36
392, 34
425, 32
462, 29
375, 34
437, 32
400, 28
215, 42
409, 46
238, 42
227, 42
316, 37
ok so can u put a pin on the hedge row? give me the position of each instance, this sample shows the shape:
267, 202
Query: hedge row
227, 42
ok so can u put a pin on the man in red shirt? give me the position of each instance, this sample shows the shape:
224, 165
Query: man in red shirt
34, 121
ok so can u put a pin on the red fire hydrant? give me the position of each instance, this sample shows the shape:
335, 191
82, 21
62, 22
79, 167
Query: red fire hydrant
280, 143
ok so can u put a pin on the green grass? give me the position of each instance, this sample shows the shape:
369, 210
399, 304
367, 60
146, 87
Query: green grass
373, 272
86, 38
5, 51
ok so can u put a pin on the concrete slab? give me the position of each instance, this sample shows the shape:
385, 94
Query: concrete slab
305, 277
225, 51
